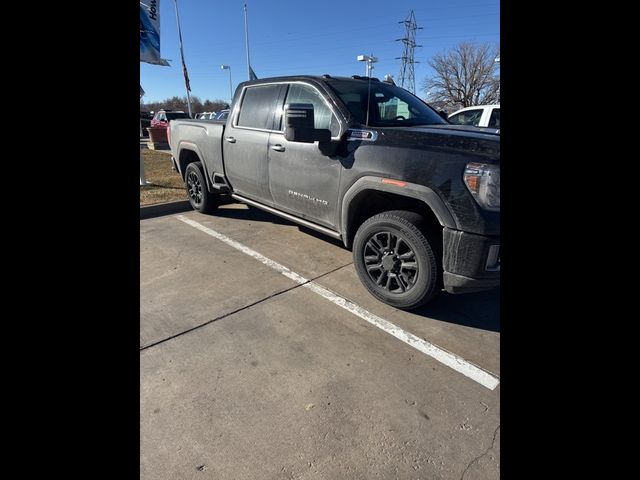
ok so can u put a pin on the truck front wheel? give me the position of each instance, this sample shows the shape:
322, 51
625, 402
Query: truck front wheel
199, 197
395, 261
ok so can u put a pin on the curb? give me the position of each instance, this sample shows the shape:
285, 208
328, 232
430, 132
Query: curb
161, 150
160, 209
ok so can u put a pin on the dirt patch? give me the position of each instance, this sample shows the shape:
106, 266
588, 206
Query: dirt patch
167, 183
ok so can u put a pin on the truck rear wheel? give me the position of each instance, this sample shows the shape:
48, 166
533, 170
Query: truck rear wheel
395, 261
199, 197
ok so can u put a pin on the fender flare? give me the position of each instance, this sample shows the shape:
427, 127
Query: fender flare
413, 190
185, 145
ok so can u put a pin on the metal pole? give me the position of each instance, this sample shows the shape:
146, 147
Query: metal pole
246, 40
497, 60
143, 179
183, 64
230, 87
370, 61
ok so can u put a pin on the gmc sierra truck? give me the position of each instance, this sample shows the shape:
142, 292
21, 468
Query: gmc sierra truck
363, 161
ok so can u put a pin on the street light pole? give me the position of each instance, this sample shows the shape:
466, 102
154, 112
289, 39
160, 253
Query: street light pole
228, 67
370, 60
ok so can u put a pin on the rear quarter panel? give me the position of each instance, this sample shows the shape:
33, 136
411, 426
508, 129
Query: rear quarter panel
202, 136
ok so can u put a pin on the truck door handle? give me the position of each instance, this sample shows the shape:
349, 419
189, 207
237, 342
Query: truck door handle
277, 148
230, 139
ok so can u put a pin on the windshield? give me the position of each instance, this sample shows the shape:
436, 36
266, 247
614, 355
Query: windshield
176, 115
391, 106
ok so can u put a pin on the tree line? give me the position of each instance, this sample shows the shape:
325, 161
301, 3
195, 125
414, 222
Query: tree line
180, 103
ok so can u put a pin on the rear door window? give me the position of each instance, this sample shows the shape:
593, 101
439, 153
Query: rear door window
258, 105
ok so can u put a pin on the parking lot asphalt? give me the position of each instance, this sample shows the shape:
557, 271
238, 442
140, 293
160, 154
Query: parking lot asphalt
246, 374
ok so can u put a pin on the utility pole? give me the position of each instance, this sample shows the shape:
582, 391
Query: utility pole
407, 77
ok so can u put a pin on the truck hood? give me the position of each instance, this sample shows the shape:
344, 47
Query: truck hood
461, 129
461, 138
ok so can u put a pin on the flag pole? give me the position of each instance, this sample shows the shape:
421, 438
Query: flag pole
143, 179
184, 66
246, 40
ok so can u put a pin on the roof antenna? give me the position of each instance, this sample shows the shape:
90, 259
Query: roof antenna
368, 99
370, 61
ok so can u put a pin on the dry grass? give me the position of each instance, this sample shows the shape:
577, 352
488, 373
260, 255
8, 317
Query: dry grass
167, 184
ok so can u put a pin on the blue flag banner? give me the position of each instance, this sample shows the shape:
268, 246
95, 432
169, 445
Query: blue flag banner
150, 33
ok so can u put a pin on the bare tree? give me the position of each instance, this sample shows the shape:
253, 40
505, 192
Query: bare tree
464, 76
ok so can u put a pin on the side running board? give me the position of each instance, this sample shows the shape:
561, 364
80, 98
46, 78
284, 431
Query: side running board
292, 218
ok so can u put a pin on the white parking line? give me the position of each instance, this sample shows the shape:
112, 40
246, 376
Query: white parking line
449, 359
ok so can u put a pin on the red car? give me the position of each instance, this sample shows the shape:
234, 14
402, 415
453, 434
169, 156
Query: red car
162, 117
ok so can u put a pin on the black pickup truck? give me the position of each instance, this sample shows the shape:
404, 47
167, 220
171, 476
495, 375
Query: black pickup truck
416, 198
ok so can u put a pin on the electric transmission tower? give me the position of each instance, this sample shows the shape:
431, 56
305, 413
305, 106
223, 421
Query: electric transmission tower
407, 75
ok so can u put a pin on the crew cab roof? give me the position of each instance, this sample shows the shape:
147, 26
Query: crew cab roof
317, 78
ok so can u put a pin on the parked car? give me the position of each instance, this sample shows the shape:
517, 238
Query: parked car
416, 198
222, 115
163, 117
478, 116
205, 116
144, 124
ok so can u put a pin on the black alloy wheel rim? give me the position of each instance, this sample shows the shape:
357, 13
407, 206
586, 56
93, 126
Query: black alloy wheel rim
390, 262
195, 188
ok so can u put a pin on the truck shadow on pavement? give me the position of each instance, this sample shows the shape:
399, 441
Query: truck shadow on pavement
255, 214
476, 310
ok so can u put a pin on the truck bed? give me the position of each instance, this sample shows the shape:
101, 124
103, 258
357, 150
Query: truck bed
203, 137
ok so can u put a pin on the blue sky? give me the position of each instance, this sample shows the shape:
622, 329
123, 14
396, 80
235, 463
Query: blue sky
289, 37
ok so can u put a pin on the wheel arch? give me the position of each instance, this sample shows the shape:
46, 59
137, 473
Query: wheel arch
189, 153
370, 196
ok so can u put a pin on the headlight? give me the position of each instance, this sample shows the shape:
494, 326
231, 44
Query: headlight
483, 181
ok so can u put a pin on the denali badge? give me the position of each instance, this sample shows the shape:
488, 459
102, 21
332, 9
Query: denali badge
355, 134
307, 197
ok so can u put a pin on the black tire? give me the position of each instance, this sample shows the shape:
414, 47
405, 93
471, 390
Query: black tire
395, 261
199, 197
